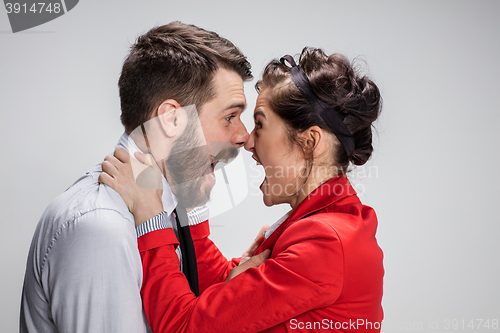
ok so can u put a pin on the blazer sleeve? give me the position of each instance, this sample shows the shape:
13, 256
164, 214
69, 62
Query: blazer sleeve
293, 281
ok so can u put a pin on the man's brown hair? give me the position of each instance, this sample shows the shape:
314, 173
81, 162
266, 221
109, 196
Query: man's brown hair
174, 61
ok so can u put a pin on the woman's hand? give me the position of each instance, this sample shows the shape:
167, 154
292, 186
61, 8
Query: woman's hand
254, 246
248, 260
143, 199
254, 261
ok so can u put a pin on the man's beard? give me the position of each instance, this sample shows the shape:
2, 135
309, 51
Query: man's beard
189, 164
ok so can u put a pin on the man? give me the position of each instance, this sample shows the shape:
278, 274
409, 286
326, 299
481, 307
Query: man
83, 270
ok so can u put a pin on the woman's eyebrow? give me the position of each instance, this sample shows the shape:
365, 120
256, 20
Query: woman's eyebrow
258, 112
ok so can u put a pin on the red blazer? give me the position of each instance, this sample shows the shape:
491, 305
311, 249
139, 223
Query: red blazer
324, 274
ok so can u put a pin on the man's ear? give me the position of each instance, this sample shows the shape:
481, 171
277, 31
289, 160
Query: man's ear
171, 117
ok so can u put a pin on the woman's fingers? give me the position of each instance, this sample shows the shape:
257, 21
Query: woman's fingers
110, 165
146, 159
113, 160
122, 155
106, 179
254, 261
141, 157
255, 244
260, 236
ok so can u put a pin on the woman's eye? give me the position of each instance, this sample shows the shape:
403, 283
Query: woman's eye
258, 125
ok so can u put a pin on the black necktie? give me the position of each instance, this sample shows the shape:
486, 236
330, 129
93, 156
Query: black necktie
189, 266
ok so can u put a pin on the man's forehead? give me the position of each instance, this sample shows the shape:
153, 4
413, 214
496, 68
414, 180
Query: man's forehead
229, 90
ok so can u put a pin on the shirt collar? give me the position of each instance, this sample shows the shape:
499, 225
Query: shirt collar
275, 226
168, 198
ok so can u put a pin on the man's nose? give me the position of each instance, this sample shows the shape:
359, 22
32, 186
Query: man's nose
241, 135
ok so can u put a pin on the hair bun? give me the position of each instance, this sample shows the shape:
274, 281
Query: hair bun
338, 82
360, 116
335, 81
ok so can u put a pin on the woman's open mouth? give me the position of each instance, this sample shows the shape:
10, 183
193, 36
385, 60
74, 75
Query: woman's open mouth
254, 156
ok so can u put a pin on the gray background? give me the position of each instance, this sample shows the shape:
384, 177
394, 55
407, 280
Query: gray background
432, 180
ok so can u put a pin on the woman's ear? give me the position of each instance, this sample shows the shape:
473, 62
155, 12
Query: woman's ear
312, 136
171, 118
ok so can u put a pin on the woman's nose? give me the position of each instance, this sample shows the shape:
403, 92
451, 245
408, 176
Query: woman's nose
250, 142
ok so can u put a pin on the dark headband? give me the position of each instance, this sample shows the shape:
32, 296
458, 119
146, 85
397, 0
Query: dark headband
330, 116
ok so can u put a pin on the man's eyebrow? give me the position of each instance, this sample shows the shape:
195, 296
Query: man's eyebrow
258, 112
237, 105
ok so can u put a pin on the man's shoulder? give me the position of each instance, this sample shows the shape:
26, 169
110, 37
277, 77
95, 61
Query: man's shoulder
86, 199
87, 219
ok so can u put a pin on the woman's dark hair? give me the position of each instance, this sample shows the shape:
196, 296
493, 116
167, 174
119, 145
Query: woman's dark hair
174, 61
336, 82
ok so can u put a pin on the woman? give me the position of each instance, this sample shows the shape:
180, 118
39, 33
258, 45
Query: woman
325, 269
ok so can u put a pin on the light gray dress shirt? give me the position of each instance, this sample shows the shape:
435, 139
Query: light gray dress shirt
84, 271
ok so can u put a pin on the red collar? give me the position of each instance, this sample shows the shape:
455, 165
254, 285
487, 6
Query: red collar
333, 190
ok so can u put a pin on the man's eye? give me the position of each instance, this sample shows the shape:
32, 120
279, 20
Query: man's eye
228, 118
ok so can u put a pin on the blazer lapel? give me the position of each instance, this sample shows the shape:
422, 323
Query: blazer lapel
323, 196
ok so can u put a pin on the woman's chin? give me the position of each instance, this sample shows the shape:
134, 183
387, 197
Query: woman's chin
272, 199
265, 193
268, 202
